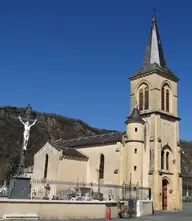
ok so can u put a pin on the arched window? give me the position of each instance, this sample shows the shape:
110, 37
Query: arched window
141, 99
46, 165
101, 166
163, 99
167, 100
162, 160
167, 161
150, 158
146, 98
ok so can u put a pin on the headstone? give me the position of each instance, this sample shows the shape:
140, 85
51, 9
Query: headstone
47, 192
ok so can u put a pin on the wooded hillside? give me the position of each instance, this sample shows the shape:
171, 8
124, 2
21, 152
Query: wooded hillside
52, 127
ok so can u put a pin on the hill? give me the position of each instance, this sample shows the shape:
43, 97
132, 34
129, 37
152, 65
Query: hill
49, 127
186, 164
53, 127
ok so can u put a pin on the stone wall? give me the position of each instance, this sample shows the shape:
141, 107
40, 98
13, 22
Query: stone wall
144, 207
58, 209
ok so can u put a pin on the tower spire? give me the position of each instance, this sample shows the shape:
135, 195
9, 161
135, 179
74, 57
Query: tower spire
154, 58
154, 51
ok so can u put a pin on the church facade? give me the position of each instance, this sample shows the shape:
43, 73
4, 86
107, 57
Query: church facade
149, 150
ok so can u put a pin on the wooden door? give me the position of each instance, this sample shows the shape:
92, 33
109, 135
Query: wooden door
164, 195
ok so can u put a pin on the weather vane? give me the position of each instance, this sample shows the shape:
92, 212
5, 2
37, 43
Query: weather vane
154, 11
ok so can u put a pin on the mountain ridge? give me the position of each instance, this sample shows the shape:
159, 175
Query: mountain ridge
51, 127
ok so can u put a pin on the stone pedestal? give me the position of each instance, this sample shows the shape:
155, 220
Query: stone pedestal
19, 187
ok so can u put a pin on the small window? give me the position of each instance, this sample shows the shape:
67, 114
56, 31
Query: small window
46, 166
135, 129
135, 168
117, 149
167, 161
146, 98
163, 99
141, 99
101, 166
162, 160
167, 100
135, 150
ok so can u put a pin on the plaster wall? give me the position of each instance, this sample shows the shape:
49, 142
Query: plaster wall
72, 170
112, 163
47, 209
155, 83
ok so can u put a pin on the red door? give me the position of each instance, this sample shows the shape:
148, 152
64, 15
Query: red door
164, 195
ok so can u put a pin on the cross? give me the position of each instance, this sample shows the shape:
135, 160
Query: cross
28, 111
154, 11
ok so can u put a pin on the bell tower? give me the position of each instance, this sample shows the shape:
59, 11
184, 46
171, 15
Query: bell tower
154, 90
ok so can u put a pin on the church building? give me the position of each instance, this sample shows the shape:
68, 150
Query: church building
149, 150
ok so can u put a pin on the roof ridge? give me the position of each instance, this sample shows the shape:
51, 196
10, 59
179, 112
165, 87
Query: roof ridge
92, 136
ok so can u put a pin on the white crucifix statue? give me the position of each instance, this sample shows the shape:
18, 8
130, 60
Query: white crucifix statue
27, 127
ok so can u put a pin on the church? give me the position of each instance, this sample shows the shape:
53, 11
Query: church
149, 150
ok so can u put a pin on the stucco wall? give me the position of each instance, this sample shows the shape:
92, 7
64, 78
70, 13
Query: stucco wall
58, 209
155, 83
135, 131
53, 163
162, 130
112, 162
72, 170
134, 160
144, 207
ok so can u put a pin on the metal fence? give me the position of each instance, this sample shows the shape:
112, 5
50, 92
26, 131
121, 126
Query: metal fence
51, 189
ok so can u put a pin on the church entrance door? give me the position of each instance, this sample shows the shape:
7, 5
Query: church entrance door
164, 194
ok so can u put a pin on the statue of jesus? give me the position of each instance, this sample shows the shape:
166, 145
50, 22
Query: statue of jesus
26, 132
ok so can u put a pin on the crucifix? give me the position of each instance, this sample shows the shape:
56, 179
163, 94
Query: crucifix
27, 127
26, 134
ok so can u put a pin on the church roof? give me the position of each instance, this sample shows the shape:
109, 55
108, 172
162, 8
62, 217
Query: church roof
67, 151
154, 57
72, 152
102, 139
135, 117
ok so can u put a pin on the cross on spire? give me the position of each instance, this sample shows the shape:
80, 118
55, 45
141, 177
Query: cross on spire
154, 11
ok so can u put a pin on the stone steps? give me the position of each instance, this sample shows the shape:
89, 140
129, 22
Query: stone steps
33, 217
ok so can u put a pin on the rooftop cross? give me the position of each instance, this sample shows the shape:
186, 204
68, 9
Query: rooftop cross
154, 11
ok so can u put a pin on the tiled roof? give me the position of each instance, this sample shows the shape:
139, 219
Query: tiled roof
67, 151
91, 140
69, 147
135, 117
155, 67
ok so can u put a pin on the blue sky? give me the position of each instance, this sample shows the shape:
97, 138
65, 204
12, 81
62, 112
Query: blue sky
74, 57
